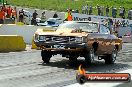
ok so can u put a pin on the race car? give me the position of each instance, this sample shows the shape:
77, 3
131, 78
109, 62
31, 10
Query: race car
54, 22
75, 39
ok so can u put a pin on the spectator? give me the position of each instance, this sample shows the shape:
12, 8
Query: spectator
83, 9
102, 10
35, 14
43, 18
2, 16
4, 8
14, 13
55, 15
127, 23
107, 11
130, 14
69, 16
77, 11
21, 15
86, 9
33, 21
114, 12
66, 15
124, 11
99, 10
121, 12
9, 12
117, 25
110, 24
90, 10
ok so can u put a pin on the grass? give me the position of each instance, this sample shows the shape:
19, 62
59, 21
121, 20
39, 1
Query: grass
62, 5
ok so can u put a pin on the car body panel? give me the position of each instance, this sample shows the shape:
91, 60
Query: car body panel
106, 42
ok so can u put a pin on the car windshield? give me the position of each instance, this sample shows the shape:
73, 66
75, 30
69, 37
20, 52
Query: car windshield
86, 26
51, 21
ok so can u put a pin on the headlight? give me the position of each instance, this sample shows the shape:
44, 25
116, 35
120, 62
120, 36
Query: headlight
78, 39
36, 37
41, 38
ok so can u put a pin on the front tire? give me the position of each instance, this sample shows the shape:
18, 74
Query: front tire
46, 55
110, 59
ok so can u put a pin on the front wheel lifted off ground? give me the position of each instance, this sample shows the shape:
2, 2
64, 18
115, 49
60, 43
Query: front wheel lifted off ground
46, 56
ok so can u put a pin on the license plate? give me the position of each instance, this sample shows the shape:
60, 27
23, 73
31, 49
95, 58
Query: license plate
59, 46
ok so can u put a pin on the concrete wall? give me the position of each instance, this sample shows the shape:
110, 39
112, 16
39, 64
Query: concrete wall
27, 31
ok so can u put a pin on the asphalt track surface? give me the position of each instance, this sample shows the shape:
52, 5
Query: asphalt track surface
26, 69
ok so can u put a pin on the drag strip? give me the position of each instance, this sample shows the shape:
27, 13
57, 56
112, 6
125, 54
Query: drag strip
26, 69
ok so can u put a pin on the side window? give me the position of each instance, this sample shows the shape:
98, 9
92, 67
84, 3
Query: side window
104, 30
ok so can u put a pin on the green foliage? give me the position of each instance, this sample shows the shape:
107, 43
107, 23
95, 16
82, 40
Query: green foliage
62, 5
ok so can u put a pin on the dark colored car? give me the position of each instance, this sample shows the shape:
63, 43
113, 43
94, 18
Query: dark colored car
79, 39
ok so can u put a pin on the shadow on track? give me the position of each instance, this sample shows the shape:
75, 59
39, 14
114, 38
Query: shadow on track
97, 66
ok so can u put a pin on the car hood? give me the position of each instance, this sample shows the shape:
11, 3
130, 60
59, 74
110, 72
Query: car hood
64, 32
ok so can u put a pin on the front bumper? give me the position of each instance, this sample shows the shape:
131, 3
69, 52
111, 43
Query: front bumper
66, 46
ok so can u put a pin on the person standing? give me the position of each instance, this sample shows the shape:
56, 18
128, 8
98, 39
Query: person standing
113, 11
34, 22
121, 12
14, 13
9, 12
107, 11
124, 11
99, 10
2, 16
4, 8
110, 24
55, 15
21, 15
102, 10
117, 25
86, 9
83, 9
43, 18
70, 17
90, 10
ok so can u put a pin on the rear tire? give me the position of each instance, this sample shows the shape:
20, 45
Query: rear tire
110, 59
46, 55
89, 56
72, 59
